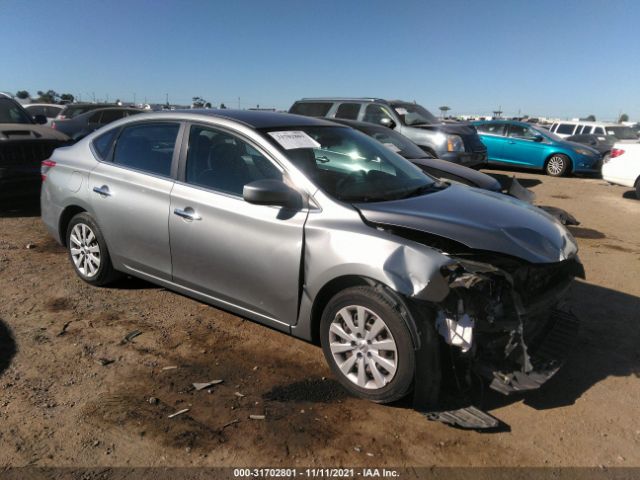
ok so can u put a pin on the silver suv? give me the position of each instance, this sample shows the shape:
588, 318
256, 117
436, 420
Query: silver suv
321, 232
455, 142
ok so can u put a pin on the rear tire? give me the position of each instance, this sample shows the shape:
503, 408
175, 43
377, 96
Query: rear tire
638, 188
88, 251
367, 344
557, 165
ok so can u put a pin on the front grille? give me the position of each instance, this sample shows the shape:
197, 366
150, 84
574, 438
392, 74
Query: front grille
26, 152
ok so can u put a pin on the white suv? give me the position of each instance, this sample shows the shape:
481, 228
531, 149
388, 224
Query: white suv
622, 133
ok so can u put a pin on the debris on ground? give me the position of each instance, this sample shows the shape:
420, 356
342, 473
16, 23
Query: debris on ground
169, 367
30, 246
104, 361
202, 386
257, 417
64, 329
179, 412
232, 422
130, 336
153, 400
239, 395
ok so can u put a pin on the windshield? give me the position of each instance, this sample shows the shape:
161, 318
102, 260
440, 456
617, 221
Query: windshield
396, 142
350, 166
414, 114
10, 112
622, 133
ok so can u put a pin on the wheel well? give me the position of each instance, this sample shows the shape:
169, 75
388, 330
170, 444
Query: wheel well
325, 294
569, 168
67, 214
637, 181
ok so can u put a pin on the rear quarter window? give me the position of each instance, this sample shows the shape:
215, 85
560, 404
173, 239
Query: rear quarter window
348, 111
102, 144
311, 109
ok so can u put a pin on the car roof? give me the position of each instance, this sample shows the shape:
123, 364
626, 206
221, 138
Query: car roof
57, 105
341, 99
590, 123
251, 118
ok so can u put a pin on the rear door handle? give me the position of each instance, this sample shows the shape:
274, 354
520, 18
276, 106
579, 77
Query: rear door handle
188, 213
103, 190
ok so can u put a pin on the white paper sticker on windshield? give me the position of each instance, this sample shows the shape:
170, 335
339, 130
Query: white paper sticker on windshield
294, 139
392, 147
401, 111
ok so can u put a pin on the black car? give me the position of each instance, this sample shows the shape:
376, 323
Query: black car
82, 125
72, 110
24, 144
602, 143
426, 161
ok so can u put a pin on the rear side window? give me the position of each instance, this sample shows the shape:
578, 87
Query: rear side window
586, 130
147, 147
109, 116
348, 111
565, 128
102, 144
35, 110
598, 131
311, 109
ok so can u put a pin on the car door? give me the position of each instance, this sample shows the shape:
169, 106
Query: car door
130, 196
493, 137
240, 255
522, 147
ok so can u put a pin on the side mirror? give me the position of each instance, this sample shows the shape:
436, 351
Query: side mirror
538, 138
40, 119
268, 192
387, 122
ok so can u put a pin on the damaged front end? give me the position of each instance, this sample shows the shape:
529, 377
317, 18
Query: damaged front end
502, 320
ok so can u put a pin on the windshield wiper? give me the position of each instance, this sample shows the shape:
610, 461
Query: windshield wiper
430, 188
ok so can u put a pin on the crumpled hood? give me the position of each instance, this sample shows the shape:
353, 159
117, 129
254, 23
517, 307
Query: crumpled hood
480, 220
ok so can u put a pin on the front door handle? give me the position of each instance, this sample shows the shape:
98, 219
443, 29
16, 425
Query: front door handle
188, 213
103, 190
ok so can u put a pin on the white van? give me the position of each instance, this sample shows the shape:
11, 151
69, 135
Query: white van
622, 133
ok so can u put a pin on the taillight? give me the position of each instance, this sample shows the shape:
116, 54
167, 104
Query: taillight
53, 124
616, 152
45, 166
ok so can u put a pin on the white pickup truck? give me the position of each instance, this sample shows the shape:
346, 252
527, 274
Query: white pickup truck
623, 167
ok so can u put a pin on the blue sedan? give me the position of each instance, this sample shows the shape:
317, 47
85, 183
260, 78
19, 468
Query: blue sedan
524, 145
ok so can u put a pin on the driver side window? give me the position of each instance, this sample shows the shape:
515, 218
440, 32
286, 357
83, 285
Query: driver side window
519, 131
220, 161
374, 113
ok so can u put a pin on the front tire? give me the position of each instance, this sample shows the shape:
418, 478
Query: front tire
638, 188
367, 344
88, 251
557, 165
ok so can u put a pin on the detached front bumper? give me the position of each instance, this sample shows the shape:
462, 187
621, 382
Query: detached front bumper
546, 357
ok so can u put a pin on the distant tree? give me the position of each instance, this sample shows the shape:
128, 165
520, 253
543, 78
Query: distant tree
207, 105
623, 118
22, 94
50, 96
198, 102
444, 109
591, 118
223, 106
67, 98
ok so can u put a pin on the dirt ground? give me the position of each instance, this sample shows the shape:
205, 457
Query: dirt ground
72, 393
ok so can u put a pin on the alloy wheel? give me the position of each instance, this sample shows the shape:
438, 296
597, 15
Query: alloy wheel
555, 165
362, 347
85, 250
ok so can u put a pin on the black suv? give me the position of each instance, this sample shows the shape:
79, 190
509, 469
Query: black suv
456, 142
23, 146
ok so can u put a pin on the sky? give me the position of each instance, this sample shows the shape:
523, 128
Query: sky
560, 58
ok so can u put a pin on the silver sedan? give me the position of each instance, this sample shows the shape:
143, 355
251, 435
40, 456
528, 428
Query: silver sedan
321, 232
